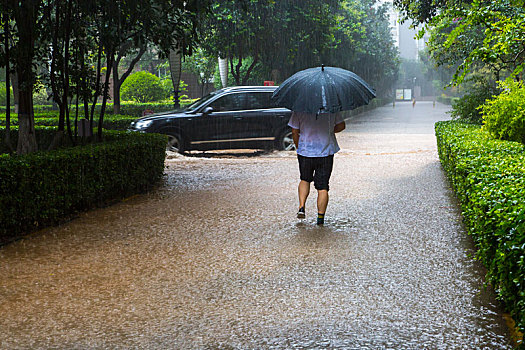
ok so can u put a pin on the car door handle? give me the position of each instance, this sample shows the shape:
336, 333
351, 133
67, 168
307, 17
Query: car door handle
238, 118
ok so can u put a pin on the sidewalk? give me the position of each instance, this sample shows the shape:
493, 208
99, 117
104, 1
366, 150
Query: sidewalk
215, 258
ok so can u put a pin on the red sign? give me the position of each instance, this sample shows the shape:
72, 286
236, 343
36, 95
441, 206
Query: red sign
146, 112
269, 83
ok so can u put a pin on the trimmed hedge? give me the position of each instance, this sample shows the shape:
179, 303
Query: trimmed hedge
44, 188
43, 134
45, 116
111, 122
135, 109
126, 107
488, 178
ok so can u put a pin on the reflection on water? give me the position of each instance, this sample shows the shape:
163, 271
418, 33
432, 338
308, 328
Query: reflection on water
215, 259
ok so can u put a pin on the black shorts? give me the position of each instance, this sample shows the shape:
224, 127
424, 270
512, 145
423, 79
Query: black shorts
316, 169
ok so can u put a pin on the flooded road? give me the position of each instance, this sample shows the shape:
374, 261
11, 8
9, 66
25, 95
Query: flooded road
215, 258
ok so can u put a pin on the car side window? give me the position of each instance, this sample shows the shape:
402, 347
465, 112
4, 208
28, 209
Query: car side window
259, 100
231, 102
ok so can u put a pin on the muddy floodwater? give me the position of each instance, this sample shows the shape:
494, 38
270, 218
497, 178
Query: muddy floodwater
215, 258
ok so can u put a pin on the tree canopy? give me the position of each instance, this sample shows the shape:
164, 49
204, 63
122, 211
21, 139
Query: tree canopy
278, 38
471, 34
64, 44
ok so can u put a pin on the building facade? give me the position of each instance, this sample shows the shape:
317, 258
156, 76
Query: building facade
404, 36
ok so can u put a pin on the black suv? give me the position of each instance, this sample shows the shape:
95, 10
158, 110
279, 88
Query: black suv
229, 118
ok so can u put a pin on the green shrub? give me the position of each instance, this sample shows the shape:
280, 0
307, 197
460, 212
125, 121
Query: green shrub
467, 107
142, 87
40, 96
167, 86
43, 188
504, 116
487, 176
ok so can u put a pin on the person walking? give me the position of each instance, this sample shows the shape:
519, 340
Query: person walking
316, 144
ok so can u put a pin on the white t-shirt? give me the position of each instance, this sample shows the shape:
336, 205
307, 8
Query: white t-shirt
317, 137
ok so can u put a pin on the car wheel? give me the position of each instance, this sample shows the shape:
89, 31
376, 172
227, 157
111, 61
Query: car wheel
175, 143
286, 141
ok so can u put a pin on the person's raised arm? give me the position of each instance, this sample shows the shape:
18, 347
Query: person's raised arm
339, 127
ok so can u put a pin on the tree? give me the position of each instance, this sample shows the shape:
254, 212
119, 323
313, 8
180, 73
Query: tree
438, 75
366, 45
422, 11
284, 35
306, 37
234, 32
44, 31
25, 16
61, 16
473, 34
167, 26
124, 49
503, 44
278, 38
7, 138
202, 65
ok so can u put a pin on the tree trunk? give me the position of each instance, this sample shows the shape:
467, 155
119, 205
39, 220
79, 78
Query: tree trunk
54, 69
175, 69
248, 72
223, 71
118, 81
96, 93
236, 70
26, 125
65, 88
83, 84
61, 102
116, 88
7, 138
25, 16
110, 59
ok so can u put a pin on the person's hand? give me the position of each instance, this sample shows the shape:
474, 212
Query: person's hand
340, 127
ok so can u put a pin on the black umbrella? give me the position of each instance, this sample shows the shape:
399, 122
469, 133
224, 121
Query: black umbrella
323, 89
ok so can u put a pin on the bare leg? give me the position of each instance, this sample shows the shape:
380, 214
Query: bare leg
322, 201
304, 191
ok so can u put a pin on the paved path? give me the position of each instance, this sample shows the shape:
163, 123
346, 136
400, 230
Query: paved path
214, 259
